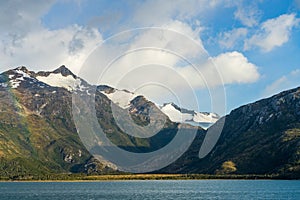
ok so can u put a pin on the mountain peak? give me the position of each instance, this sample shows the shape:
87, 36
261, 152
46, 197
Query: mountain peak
18, 70
173, 105
22, 68
63, 70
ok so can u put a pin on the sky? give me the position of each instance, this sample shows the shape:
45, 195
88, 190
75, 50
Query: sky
218, 54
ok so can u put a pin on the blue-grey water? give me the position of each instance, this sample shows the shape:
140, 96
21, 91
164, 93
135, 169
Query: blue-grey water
146, 190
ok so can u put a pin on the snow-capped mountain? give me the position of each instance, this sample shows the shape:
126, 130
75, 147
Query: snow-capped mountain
61, 77
20, 77
181, 115
123, 99
38, 133
64, 78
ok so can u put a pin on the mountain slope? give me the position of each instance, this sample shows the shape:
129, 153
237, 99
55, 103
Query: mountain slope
123, 98
38, 134
36, 128
258, 138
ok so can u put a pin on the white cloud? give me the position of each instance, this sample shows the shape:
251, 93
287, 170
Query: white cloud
147, 65
273, 32
285, 82
47, 49
25, 40
234, 67
248, 15
229, 39
167, 46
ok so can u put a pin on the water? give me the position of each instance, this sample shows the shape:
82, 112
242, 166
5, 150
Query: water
146, 190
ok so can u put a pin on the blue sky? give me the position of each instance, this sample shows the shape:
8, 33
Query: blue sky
254, 43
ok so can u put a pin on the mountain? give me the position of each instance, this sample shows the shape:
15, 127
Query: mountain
37, 132
64, 78
176, 114
38, 136
257, 138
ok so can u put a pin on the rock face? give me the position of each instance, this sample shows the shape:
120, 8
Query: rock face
124, 99
38, 134
258, 138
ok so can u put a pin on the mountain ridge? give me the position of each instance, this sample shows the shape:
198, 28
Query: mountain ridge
258, 138
38, 135
202, 119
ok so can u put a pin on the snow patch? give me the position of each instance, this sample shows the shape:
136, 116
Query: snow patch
175, 115
22, 73
205, 118
3, 85
58, 80
120, 97
194, 118
14, 83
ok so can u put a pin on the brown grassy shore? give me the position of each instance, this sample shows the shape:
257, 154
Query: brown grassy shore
120, 177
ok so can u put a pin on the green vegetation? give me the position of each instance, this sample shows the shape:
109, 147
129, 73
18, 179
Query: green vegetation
259, 138
39, 141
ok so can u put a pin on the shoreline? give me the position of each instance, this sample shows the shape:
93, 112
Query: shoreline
140, 177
